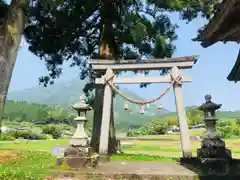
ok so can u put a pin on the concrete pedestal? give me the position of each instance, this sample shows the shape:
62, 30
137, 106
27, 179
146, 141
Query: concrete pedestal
214, 148
79, 157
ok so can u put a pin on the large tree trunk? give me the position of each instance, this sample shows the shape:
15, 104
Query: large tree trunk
9, 44
106, 51
97, 117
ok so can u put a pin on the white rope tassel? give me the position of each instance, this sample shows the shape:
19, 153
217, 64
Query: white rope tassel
142, 109
140, 73
159, 106
125, 105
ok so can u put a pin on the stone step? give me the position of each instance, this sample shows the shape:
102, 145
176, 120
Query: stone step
142, 170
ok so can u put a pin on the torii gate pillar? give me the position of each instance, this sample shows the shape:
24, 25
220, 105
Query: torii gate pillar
106, 115
181, 116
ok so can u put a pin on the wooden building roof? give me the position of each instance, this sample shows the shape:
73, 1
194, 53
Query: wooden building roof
224, 26
235, 72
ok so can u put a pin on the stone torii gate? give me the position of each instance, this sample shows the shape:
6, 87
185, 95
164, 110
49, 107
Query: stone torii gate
175, 77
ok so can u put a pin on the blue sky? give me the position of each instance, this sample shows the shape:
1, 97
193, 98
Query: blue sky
209, 74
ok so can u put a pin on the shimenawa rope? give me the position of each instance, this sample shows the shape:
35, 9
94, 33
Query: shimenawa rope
176, 80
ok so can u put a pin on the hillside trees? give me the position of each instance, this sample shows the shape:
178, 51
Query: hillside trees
36, 113
172, 121
57, 115
77, 30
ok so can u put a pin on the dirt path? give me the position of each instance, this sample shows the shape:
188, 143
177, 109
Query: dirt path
7, 155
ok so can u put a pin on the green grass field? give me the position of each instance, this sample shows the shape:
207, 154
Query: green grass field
34, 159
162, 145
30, 165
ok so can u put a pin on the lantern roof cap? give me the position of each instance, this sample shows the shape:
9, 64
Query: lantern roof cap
82, 105
209, 105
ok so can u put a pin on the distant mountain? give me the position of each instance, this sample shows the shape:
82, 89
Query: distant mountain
68, 92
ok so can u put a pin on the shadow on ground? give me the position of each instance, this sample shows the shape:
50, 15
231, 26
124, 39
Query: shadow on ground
213, 169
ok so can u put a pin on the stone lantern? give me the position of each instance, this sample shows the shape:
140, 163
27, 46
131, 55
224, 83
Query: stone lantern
212, 146
80, 137
80, 154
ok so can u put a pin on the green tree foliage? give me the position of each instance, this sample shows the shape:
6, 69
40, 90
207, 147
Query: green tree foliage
194, 115
228, 128
132, 28
52, 130
153, 128
238, 121
158, 128
24, 134
58, 115
172, 120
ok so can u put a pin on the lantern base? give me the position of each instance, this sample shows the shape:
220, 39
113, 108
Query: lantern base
214, 148
79, 157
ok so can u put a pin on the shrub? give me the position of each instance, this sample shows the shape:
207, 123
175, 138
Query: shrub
224, 123
48, 136
26, 134
26, 124
43, 136
52, 130
236, 131
229, 131
47, 129
225, 131
132, 133
63, 127
56, 134
159, 129
67, 133
155, 128
7, 137
238, 121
